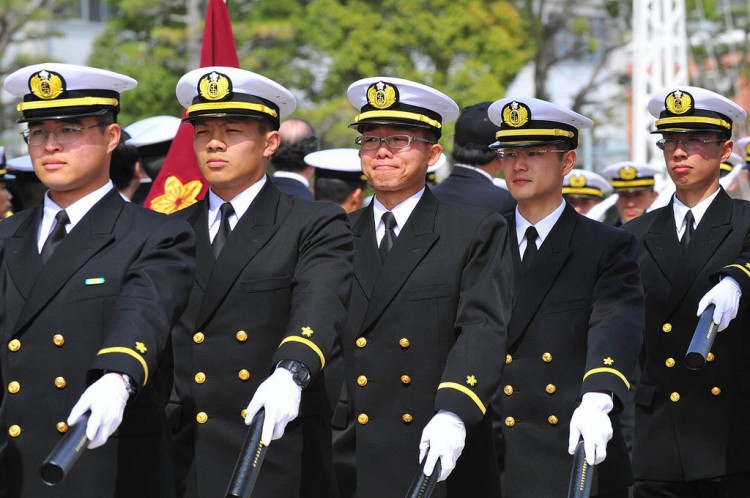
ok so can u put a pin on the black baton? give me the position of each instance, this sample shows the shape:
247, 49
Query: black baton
251, 457
66, 453
422, 486
703, 339
581, 475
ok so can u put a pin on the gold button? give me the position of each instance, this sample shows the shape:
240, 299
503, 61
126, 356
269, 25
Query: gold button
405, 379
200, 378
243, 414
201, 418
361, 342
715, 391
710, 357
510, 421
198, 337
58, 339
243, 374
14, 387
552, 420
550, 389
407, 418
675, 397
14, 430
666, 328
362, 418
547, 357
60, 382
14, 345
508, 359
241, 336
404, 343
670, 362
508, 390
362, 381
61, 427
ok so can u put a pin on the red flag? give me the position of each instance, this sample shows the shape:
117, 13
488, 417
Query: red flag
180, 182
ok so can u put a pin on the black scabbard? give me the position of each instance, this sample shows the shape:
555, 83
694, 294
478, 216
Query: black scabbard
581, 475
66, 453
703, 340
248, 464
422, 486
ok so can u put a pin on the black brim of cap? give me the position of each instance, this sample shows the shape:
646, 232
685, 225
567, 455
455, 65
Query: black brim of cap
230, 114
64, 114
392, 122
527, 143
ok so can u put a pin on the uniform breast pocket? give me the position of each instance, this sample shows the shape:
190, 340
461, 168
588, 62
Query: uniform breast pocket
427, 292
265, 284
567, 305
94, 288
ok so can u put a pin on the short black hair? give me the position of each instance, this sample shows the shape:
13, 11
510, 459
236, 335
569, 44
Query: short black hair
472, 155
334, 189
122, 165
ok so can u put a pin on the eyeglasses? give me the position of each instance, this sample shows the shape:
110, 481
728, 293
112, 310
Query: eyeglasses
512, 155
63, 135
691, 143
369, 142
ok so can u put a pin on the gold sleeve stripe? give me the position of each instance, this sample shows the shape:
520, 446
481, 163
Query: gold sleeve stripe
747, 272
582, 191
398, 115
528, 132
224, 106
693, 119
308, 343
130, 352
607, 370
466, 391
83, 101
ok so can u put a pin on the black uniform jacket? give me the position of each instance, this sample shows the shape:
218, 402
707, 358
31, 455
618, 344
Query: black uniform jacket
426, 332
692, 424
290, 186
471, 188
576, 327
105, 300
277, 291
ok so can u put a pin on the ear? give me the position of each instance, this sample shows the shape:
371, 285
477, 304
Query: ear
568, 161
434, 154
273, 140
726, 150
112, 135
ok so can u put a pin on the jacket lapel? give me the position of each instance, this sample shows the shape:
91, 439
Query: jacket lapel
662, 244
22, 253
252, 232
366, 256
204, 256
90, 235
412, 245
552, 255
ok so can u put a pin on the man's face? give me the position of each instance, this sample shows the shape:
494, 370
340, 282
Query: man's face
5, 199
72, 170
398, 170
693, 165
535, 174
232, 153
633, 204
582, 205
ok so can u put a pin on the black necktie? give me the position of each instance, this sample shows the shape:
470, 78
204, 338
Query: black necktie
530, 252
56, 236
389, 237
223, 234
686, 236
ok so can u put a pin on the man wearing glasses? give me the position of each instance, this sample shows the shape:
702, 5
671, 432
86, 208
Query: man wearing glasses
428, 306
575, 330
691, 433
89, 288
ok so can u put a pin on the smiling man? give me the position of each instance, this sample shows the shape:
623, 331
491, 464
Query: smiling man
273, 273
428, 307
691, 433
89, 288
575, 328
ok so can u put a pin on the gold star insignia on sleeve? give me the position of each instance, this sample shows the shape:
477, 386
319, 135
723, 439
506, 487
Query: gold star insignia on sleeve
141, 347
307, 331
609, 361
471, 380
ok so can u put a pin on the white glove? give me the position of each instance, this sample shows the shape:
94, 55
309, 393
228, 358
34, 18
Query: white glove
106, 398
590, 421
444, 436
281, 396
726, 297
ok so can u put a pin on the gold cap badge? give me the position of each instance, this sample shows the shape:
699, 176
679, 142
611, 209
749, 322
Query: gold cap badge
214, 86
46, 85
577, 181
382, 95
628, 173
679, 102
516, 114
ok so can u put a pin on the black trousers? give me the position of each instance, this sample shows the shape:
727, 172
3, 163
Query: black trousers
728, 486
